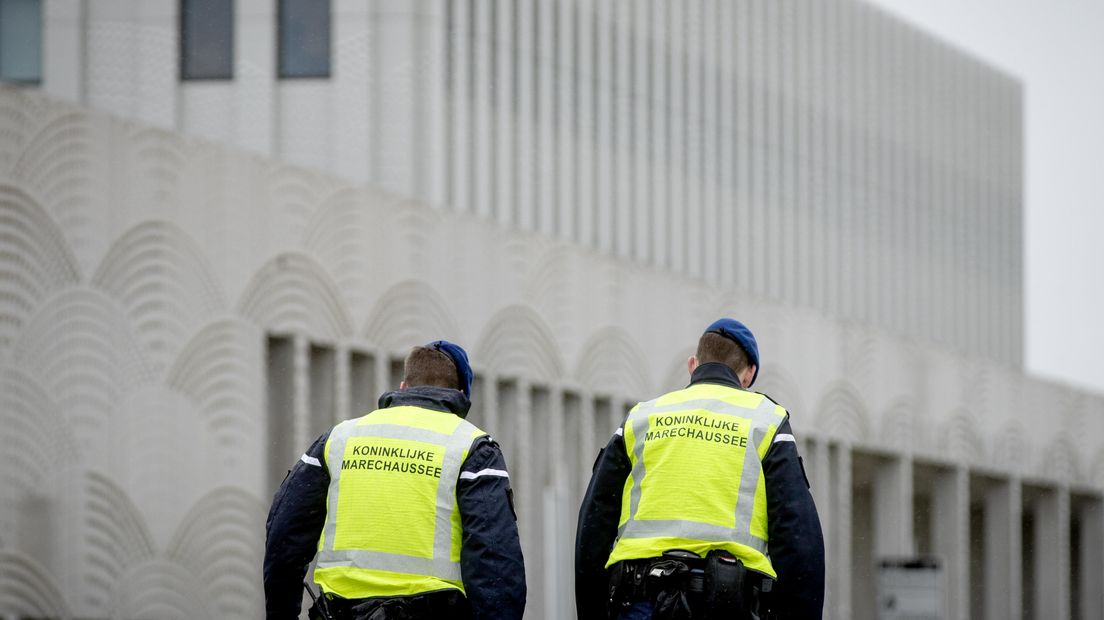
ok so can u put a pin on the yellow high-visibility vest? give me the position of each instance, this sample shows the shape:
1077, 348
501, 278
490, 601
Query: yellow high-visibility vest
392, 523
697, 475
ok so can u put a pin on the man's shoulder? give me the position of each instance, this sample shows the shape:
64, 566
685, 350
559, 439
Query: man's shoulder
483, 451
774, 401
484, 442
663, 399
344, 426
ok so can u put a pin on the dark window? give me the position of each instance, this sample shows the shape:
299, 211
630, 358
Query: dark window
21, 41
206, 39
281, 380
304, 38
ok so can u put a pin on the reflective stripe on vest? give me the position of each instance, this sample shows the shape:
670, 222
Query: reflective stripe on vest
707, 413
420, 435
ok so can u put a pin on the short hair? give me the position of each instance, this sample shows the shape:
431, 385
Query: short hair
713, 347
428, 366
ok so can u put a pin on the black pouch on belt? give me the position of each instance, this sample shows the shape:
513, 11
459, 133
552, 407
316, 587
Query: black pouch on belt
723, 587
666, 585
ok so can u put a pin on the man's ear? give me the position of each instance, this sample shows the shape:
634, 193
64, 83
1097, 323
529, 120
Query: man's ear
747, 376
692, 364
403, 385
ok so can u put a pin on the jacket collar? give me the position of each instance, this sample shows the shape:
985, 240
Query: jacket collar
715, 372
428, 397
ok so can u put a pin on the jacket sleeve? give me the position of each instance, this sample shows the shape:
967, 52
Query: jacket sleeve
796, 541
491, 563
598, 517
291, 533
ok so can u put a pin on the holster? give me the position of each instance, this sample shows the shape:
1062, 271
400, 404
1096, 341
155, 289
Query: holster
723, 585
731, 588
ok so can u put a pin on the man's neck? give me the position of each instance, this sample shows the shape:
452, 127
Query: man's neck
716, 373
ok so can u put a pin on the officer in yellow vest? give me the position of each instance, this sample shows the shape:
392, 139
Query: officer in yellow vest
409, 509
699, 506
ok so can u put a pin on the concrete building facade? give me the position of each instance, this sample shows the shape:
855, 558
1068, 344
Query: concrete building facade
201, 276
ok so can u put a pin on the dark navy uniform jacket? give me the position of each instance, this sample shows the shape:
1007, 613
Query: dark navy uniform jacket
490, 556
796, 545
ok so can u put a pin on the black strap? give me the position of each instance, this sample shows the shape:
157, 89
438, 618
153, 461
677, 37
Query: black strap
449, 603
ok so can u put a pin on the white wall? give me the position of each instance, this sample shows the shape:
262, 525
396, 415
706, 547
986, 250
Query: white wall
826, 156
144, 272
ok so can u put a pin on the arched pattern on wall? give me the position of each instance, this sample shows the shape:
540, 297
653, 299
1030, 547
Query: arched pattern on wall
770, 324
294, 294
115, 538
169, 455
416, 229
162, 279
219, 543
162, 162
296, 194
613, 363
779, 385
721, 302
858, 351
27, 590
842, 414
1061, 460
411, 313
1074, 408
345, 238
34, 439
960, 440
55, 162
158, 588
676, 376
518, 258
977, 388
82, 348
1013, 448
218, 371
516, 342
35, 261
899, 428
551, 290
17, 121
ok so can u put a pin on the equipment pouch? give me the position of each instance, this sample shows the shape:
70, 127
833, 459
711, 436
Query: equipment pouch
723, 587
666, 587
670, 605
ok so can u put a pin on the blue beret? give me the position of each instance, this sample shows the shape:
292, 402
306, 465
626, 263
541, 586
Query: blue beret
459, 359
739, 333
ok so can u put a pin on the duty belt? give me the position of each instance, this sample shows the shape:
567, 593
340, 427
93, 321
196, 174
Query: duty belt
716, 586
448, 603
638, 580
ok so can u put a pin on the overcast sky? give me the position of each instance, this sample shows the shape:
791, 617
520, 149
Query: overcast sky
1056, 48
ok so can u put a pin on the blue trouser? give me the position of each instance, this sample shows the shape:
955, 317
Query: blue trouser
640, 610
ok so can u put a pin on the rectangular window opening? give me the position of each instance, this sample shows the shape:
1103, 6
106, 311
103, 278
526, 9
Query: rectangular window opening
206, 39
21, 41
280, 379
323, 389
304, 38
398, 371
362, 384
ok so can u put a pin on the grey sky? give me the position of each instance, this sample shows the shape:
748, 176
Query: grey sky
1056, 48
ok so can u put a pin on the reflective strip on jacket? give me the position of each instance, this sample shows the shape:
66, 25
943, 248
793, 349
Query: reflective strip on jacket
697, 476
392, 523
